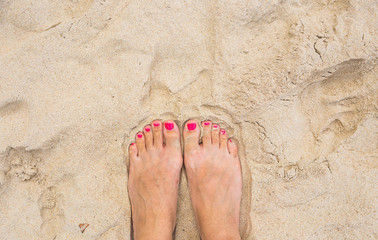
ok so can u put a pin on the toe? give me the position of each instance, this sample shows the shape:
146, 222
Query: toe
157, 132
148, 136
223, 139
133, 152
215, 135
171, 135
191, 134
140, 142
232, 148
206, 138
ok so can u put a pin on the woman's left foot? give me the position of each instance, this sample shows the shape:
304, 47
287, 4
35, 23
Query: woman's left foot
154, 175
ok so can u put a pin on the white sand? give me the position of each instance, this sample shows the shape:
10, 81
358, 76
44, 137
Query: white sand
295, 82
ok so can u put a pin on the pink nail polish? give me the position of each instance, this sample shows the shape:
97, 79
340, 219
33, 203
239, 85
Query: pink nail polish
191, 126
156, 124
223, 132
230, 140
206, 123
132, 144
147, 129
139, 135
215, 126
169, 126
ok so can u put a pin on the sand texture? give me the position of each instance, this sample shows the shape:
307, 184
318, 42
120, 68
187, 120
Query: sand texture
293, 81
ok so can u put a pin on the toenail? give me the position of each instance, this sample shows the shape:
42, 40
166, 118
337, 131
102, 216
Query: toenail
169, 126
191, 126
230, 140
132, 144
215, 126
206, 123
223, 132
139, 135
147, 129
156, 124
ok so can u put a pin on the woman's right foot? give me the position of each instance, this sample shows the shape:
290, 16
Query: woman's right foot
215, 182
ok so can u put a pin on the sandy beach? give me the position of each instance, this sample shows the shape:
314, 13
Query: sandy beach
293, 82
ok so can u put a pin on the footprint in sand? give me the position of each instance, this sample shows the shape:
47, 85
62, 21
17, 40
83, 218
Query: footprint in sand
185, 218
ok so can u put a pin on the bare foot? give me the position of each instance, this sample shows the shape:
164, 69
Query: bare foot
214, 176
154, 174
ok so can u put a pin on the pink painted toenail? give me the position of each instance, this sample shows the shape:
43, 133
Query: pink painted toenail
132, 144
230, 140
147, 129
206, 123
139, 135
223, 132
169, 126
156, 124
215, 126
191, 126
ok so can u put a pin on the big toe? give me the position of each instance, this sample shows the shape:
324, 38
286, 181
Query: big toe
171, 134
191, 135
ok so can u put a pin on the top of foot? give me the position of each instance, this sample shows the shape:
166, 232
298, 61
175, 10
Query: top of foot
154, 173
214, 176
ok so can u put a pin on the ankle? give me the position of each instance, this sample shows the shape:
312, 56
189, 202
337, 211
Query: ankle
156, 234
156, 228
153, 232
219, 229
220, 235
